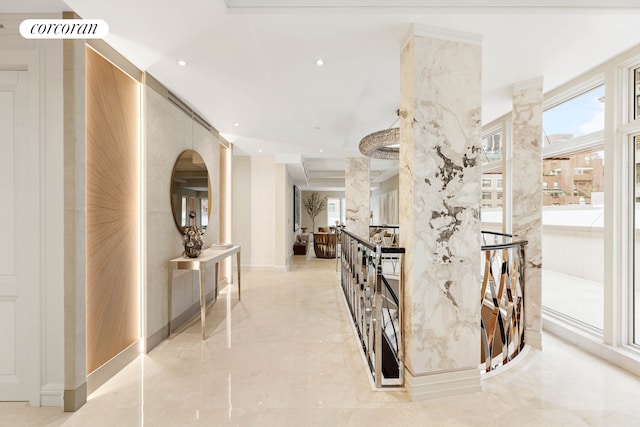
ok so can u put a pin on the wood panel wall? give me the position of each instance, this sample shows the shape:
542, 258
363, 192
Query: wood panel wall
113, 194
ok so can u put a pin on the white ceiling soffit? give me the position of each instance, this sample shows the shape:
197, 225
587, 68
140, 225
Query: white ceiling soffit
440, 5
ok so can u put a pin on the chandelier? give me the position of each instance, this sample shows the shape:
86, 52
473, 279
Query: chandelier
384, 144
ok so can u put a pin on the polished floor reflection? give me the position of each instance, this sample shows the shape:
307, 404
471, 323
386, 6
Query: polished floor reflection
286, 356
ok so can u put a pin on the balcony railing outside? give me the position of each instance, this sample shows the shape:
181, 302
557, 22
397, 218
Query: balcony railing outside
375, 297
502, 299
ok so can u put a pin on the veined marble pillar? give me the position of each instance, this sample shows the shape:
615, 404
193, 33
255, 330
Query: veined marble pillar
356, 186
440, 176
527, 197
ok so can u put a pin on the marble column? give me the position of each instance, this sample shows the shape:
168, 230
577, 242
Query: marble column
527, 197
356, 185
440, 176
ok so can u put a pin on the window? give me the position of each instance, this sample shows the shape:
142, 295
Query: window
574, 250
585, 178
490, 206
335, 211
486, 182
492, 147
578, 116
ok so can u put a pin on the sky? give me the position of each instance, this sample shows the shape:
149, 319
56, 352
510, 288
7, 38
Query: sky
581, 115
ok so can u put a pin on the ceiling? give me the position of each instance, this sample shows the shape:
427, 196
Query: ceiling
251, 64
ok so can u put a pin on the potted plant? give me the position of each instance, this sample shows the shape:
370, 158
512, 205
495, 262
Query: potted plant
314, 204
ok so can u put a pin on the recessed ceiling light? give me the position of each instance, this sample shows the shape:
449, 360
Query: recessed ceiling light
321, 150
236, 124
319, 62
182, 63
260, 150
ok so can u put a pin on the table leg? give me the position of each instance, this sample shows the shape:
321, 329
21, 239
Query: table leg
216, 278
170, 299
238, 260
203, 297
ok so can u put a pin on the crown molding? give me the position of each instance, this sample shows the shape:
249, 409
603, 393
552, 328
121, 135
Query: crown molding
425, 31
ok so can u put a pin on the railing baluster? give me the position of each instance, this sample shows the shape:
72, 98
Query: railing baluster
504, 295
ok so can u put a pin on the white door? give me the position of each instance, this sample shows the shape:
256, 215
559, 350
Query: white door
19, 229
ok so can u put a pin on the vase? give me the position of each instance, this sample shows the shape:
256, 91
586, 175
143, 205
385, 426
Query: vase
192, 241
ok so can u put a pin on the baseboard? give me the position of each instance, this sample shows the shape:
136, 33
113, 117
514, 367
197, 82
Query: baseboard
257, 267
105, 372
156, 338
52, 395
75, 398
444, 384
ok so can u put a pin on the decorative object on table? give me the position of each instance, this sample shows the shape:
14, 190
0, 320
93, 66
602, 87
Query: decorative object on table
192, 239
314, 204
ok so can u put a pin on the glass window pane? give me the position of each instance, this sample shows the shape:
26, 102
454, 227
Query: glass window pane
333, 211
492, 147
491, 204
573, 236
578, 116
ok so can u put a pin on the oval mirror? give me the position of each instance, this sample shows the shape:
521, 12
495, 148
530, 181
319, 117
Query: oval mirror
190, 191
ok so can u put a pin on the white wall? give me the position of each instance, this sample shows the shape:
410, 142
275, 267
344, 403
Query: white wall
254, 207
262, 212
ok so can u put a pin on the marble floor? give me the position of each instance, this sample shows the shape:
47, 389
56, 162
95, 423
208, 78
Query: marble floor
286, 356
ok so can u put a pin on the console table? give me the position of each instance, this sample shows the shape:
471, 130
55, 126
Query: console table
199, 264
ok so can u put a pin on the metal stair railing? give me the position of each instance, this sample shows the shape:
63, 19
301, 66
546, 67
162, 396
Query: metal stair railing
502, 299
374, 298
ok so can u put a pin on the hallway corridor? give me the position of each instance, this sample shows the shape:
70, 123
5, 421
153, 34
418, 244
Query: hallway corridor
286, 356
